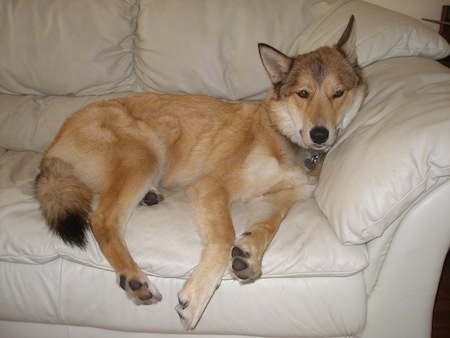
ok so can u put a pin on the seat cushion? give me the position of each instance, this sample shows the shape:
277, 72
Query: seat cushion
163, 238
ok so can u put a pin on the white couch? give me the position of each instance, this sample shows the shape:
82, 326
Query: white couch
361, 259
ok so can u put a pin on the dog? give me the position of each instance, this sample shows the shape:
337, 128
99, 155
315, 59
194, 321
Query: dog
126, 151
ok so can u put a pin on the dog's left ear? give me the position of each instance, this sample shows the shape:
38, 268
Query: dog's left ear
346, 44
277, 64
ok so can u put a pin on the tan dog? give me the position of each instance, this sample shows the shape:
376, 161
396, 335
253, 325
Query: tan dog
126, 150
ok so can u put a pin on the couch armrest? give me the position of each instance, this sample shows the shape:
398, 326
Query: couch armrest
409, 275
395, 150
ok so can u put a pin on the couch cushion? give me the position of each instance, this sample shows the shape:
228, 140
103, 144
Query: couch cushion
30, 122
163, 238
211, 47
395, 150
81, 298
60, 47
380, 34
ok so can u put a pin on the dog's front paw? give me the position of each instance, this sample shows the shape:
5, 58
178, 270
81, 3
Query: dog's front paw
186, 313
192, 301
139, 290
189, 309
245, 260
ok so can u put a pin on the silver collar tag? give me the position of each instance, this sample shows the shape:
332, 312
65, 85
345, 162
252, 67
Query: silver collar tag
311, 162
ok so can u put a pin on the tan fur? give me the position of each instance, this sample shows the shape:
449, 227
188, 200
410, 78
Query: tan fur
218, 151
61, 191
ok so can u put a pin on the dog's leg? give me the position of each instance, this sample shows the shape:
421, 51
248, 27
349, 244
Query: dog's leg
212, 210
108, 226
250, 246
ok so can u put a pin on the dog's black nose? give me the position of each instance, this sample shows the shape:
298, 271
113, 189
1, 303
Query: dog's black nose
319, 135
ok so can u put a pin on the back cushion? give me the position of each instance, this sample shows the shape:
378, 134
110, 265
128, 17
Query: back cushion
210, 47
60, 47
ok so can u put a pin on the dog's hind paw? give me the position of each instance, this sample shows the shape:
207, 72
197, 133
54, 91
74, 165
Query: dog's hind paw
152, 197
140, 290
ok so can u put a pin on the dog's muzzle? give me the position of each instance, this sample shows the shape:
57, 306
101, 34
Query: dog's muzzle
319, 135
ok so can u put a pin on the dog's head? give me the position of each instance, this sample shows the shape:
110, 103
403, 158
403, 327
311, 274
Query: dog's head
315, 95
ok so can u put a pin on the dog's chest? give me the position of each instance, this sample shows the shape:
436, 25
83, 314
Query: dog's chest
264, 173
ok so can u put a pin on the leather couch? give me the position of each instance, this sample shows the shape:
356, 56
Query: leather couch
360, 259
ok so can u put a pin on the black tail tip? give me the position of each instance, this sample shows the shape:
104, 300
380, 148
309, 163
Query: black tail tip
72, 229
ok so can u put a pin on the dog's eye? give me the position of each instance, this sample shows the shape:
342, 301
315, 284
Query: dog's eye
304, 94
338, 93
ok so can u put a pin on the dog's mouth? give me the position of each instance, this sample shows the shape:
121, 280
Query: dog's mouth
319, 148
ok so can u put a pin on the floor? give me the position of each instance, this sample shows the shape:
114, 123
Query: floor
441, 314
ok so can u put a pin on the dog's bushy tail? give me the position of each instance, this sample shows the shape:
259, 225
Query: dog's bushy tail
65, 201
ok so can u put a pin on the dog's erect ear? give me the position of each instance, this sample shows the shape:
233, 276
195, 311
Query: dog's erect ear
277, 64
346, 44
